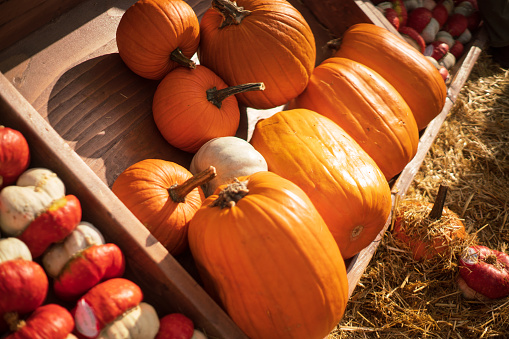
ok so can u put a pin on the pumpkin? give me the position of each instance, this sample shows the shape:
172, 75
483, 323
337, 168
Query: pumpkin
367, 107
34, 192
114, 309
14, 155
175, 326
155, 36
265, 41
24, 284
341, 179
190, 107
483, 273
59, 254
231, 157
53, 225
405, 68
265, 254
47, 321
429, 230
164, 196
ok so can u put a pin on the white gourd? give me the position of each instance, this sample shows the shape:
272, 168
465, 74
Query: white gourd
43, 179
12, 249
231, 156
82, 237
140, 322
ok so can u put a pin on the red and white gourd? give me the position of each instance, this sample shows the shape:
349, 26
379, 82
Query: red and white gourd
115, 309
421, 19
81, 261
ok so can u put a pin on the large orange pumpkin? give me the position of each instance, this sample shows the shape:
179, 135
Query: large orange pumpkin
367, 107
155, 36
405, 68
265, 41
267, 256
164, 196
341, 179
193, 106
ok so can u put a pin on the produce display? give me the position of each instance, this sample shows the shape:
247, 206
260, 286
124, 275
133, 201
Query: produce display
438, 29
269, 222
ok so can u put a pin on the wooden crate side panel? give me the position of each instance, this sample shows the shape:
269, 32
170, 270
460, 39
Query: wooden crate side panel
166, 285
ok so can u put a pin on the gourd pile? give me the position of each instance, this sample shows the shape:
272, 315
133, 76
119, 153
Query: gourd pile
438, 29
270, 221
58, 277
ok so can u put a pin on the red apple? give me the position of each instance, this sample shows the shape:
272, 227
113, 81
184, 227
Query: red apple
484, 273
440, 49
444, 73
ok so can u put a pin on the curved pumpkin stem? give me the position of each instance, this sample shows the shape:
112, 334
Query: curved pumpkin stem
334, 44
178, 192
216, 96
438, 206
230, 195
178, 57
233, 14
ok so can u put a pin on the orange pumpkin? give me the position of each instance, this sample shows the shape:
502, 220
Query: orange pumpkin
367, 107
164, 196
191, 107
155, 36
405, 68
341, 179
265, 41
267, 256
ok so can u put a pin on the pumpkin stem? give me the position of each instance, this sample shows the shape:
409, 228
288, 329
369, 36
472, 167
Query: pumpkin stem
438, 206
178, 192
233, 14
178, 57
216, 96
334, 44
231, 194
12, 319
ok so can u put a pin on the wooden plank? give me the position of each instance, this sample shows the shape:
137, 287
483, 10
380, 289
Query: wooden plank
166, 285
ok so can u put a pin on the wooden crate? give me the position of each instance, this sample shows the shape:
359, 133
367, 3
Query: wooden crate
88, 117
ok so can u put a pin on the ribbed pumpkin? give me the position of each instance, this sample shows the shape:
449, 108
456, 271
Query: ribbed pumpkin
155, 36
265, 41
341, 179
367, 107
164, 196
411, 74
266, 255
193, 106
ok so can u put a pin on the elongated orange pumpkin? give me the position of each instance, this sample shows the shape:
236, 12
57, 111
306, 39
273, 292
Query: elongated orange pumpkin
164, 196
265, 41
341, 179
266, 254
411, 74
155, 36
191, 107
367, 107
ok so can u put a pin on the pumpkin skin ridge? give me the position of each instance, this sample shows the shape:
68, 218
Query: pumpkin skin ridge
377, 118
254, 199
304, 57
359, 194
356, 37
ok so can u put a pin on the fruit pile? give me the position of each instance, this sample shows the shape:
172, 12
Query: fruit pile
58, 277
438, 29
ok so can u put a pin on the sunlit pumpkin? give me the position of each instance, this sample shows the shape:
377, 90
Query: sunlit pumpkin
265, 41
264, 252
341, 179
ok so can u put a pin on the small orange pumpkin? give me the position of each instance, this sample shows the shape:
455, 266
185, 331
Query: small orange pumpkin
191, 107
405, 68
266, 255
341, 179
367, 107
164, 196
155, 36
265, 41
